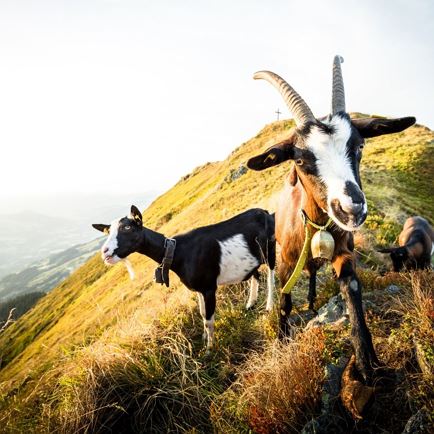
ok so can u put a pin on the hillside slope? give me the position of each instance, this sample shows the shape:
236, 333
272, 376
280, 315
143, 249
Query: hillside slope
98, 307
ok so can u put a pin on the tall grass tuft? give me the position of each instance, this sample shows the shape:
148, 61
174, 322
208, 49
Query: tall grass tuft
279, 389
416, 307
403, 330
157, 379
155, 385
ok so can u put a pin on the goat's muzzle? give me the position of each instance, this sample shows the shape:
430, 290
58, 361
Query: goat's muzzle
109, 259
349, 216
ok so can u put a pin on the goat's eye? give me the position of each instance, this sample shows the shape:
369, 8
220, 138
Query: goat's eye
127, 228
299, 162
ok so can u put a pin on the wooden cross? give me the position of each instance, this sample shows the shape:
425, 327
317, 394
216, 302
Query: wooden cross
278, 112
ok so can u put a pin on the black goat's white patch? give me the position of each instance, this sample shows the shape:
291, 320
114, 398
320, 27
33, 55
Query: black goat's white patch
236, 261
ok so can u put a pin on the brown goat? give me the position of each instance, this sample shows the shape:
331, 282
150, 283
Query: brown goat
416, 245
325, 182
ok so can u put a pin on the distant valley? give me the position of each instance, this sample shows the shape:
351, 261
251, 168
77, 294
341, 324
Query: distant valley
44, 275
28, 236
34, 228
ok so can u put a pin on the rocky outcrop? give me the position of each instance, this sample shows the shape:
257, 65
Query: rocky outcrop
333, 312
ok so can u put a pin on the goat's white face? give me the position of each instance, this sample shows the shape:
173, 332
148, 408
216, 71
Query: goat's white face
124, 236
337, 154
111, 244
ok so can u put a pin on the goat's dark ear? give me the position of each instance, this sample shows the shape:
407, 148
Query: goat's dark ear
272, 156
373, 127
386, 250
102, 228
136, 215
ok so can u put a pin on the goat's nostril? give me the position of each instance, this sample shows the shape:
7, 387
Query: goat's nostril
357, 207
354, 208
348, 208
105, 249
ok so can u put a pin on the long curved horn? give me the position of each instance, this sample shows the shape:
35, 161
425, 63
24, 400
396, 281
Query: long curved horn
296, 105
338, 91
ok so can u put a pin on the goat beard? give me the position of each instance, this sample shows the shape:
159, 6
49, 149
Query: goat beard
129, 268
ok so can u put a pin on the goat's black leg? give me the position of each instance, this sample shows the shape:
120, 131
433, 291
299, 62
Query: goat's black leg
208, 321
312, 289
351, 288
285, 310
284, 272
271, 263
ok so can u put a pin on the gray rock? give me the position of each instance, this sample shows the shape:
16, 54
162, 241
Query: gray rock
234, 174
421, 358
327, 422
418, 423
393, 289
333, 374
331, 312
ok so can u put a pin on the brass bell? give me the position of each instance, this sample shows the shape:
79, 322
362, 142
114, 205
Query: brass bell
322, 245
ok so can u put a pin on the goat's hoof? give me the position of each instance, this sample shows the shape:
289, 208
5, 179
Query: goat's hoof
250, 306
354, 394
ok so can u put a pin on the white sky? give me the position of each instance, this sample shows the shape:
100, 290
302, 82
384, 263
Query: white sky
112, 96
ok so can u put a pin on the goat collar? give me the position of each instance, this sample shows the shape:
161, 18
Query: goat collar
307, 222
162, 271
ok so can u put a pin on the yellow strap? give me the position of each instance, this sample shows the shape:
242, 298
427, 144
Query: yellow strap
304, 252
305, 219
300, 263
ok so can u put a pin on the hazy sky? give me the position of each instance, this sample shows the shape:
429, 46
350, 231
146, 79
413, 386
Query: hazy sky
111, 96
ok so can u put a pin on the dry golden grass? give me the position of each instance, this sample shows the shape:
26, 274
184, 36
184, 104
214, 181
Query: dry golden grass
279, 388
152, 385
415, 308
151, 378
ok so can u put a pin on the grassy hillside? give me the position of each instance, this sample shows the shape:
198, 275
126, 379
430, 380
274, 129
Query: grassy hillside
102, 352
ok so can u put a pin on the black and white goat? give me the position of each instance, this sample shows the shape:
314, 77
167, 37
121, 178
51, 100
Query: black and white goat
227, 252
416, 245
